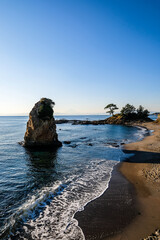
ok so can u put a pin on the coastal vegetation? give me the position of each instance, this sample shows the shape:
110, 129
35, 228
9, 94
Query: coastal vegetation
112, 107
128, 114
128, 111
45, 109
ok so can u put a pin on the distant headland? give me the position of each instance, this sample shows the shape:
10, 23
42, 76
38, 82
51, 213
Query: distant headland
128, 115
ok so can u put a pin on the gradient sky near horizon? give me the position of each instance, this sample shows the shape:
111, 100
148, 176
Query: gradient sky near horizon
83, 54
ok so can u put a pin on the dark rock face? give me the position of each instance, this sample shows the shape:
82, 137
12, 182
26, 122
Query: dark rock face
67, 142
41, 127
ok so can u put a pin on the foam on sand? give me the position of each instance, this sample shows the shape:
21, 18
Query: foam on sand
56, 221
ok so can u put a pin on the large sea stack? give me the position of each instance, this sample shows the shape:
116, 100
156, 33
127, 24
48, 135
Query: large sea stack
41, 127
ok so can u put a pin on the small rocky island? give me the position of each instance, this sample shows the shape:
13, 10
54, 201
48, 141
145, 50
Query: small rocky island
41, 127
129, 115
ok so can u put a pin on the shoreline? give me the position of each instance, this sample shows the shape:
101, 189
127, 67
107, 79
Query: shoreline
99, 217
143, 171
142, 174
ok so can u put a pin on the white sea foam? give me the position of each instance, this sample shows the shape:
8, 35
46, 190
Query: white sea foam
49, 212
56, 221
141, 133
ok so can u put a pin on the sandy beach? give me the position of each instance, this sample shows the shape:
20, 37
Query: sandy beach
129, 209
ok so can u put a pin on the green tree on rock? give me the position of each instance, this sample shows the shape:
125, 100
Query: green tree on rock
112, 107
128, 112
128, 109
142, 113
45, 110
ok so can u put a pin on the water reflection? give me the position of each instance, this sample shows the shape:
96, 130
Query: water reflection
42, 159
41, 167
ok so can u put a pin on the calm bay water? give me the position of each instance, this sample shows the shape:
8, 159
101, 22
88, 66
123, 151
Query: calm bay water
41, 191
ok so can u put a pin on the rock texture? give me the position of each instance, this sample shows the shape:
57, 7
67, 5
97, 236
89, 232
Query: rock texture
41, 127
158, 119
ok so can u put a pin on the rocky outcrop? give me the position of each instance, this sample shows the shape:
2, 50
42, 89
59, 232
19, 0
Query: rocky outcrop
158, 119
41, 127
116, 119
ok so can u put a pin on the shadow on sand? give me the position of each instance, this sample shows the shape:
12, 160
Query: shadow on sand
117, 207
142, 157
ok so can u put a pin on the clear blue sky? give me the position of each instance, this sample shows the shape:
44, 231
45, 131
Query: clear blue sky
83, 54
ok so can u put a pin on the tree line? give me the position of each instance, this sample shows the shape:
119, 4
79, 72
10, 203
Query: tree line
128, 111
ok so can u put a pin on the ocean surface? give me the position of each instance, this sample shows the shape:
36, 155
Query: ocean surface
40, 191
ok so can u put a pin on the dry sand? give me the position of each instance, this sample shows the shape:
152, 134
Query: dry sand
149, 143
143, 171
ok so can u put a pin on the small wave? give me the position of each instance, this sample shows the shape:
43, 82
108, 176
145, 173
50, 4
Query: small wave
140, 134
32, 207
56, 221
49, 213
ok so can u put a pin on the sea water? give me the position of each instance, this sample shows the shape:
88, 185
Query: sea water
40, 191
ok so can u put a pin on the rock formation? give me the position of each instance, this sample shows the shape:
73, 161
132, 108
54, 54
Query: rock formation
41, 127
158, 119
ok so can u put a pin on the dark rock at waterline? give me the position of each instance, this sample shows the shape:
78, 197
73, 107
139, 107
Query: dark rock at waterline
73, 146
41, 127
61, 121
67, 142
113, 144
90, 144
116, 119
80, 122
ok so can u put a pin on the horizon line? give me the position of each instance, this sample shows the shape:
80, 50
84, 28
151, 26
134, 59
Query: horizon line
58, 114
64, 114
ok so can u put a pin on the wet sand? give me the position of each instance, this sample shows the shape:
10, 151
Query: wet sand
129, 209
111, 212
